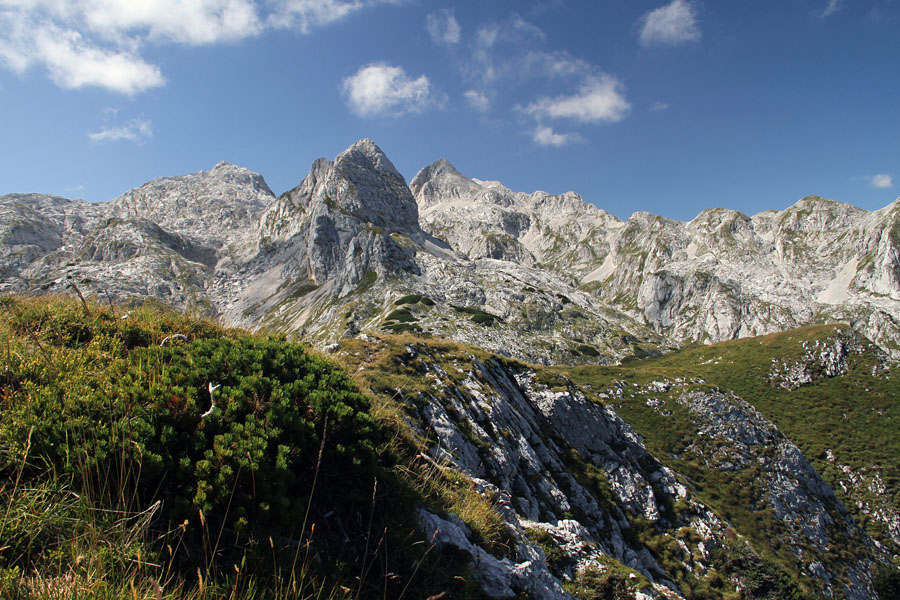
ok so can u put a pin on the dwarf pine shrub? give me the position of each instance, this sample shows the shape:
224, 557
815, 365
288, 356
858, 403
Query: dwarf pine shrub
97, 401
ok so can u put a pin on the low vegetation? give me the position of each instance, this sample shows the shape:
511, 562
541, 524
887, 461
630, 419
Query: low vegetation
148, 454
838, 422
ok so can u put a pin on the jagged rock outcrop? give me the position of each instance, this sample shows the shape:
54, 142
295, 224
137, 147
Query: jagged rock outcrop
484, 219
721, 276
812, 517
348, 217
213, 207
580, 491
168, 239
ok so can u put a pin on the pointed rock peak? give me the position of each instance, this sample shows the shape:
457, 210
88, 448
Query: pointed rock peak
814, 213
441, 181
715, 217
820, 204
812, 201
361, 183
439, 169
230, 173
365, 154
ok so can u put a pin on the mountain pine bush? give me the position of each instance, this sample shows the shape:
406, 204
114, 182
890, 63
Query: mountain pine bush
101, 404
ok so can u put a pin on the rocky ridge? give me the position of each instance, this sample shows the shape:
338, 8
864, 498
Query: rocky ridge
334, 255
722, 275
581, 492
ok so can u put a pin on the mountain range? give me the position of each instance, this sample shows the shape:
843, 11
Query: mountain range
545, 278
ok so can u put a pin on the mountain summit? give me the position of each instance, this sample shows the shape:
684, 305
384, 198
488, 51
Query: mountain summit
547, 278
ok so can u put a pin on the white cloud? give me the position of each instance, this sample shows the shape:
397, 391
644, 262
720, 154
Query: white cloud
100, 42
674, 23
303, 15
382, 89
659, 107
881, 181
136, 130
478, 100
443, 27
506, 49
546, 136
832, 7
553, 64
599, 99
74, 62
195, 23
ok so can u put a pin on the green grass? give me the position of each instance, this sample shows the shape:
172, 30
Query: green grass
123, 481
854, 415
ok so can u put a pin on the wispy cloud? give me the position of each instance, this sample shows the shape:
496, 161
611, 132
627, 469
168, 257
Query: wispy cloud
380, 89
478, 100
100, 43
832, 7
674, 23
137, 130
443, 27
501, 50
659, 107
305, 15
546, 136
600, 99
881, 181
507, 59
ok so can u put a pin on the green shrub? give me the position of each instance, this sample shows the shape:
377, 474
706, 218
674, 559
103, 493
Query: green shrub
401, 328
609, 583
886, 581
478, 316
588, 350
415, 299
135, 424
401, 315
760, 578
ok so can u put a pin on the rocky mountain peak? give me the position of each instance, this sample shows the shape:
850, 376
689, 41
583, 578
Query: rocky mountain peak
441, 181
363, 182
365, 154
212, 205
814, 213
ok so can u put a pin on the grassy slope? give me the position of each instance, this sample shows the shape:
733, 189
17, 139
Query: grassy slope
854, 415
86, 391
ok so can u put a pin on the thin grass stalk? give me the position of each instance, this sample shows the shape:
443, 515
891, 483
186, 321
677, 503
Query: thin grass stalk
309, 502
16, 485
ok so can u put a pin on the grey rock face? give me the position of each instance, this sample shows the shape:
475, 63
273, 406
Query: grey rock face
484, 219
528, 446
165, 239
214, 207
518, 439
797, 495
721, 276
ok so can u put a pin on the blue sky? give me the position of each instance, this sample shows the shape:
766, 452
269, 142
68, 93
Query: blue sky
663, 106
